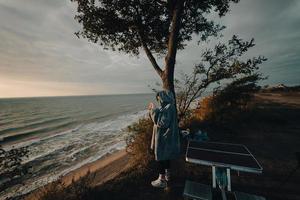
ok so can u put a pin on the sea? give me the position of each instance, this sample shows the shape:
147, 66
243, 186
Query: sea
65, 133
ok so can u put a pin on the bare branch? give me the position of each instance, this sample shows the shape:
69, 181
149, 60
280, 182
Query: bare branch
161, 2
151, 58
224, 62
139, 26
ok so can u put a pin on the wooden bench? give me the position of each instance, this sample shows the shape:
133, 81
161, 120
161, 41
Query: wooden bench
245, 196
197, 191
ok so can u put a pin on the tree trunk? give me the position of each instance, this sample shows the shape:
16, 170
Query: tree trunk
168, 74
168, 79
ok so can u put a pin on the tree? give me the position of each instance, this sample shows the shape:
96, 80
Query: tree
158, 27
222, 63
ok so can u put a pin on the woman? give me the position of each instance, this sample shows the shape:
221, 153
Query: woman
165, 137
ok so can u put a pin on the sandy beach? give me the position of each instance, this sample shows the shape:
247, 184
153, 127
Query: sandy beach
104, 169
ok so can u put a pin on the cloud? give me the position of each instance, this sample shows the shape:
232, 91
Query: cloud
274, 25
38, 47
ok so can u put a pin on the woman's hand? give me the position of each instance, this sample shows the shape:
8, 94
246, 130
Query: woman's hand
151, 106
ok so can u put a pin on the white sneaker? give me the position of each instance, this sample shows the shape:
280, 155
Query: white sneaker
168, 175
160, 183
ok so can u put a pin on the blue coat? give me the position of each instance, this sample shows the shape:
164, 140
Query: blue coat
165, 137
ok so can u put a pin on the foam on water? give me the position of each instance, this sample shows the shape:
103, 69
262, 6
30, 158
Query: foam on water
58, 154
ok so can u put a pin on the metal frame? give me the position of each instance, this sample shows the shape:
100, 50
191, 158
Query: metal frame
233, 167
214, 176
228, 179
218, 151
214, 184
227, 166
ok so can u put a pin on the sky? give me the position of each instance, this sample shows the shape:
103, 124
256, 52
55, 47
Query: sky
41, 56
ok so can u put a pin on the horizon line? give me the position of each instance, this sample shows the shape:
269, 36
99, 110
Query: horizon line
84, 95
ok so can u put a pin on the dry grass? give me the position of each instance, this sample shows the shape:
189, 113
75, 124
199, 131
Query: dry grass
139, 141
205, 110
78, 190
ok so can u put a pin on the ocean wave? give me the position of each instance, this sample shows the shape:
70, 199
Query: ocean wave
30, 185
24, 118
34, 132
41, 139
31, 125
61, 153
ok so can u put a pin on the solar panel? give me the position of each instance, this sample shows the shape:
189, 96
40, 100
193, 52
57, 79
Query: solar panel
233, 156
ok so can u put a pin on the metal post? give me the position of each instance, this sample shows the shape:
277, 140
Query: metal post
214, 176
228, 179
223, 194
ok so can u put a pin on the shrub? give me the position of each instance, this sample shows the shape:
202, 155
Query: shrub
226, 103
80, 189
204, 111
139, 142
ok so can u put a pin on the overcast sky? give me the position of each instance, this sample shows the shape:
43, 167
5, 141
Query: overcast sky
41, 56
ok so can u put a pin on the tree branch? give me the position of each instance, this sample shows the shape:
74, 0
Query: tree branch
161, 2
150, 56
138, 25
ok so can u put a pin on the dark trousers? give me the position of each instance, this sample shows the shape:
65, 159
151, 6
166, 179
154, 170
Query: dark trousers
163, 165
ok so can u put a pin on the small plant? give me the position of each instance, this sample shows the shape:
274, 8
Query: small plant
80, 189
139, 141
55, 190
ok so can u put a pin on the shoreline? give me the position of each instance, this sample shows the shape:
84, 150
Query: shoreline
96, 166
104, 169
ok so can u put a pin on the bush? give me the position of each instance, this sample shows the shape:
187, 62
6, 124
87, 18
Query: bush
80, 189
139, 142
204, 111
226, 103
